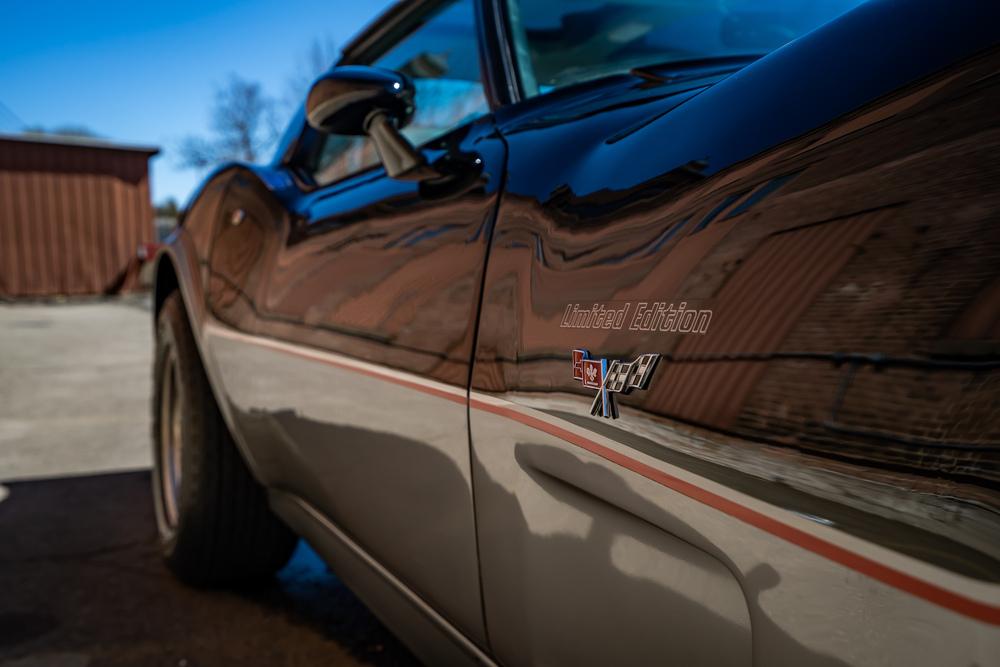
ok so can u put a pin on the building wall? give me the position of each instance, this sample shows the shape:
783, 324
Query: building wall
71, 217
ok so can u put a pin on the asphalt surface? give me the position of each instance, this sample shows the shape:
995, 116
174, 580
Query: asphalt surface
81, 580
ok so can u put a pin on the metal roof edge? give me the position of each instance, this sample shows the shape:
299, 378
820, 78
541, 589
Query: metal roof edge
78, 142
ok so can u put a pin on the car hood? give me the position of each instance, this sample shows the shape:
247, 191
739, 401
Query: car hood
630, 129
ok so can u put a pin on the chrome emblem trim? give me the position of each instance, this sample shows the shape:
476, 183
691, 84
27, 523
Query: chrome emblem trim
610, 378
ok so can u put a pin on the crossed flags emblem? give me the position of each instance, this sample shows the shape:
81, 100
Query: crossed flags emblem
610, 378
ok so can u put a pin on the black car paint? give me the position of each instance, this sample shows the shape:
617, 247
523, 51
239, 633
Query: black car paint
586, 188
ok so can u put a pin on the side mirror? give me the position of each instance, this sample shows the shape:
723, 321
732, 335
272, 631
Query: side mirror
373, 101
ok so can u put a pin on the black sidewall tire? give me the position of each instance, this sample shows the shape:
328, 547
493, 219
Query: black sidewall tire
225, 529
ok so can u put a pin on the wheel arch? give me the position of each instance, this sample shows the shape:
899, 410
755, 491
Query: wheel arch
177, 270
164, 282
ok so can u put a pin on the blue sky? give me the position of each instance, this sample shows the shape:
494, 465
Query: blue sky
145, 72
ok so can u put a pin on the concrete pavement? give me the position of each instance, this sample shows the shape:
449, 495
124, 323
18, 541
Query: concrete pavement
74, 387
81, 580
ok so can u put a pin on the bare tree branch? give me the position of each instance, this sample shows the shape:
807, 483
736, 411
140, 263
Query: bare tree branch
244, 125
316, 60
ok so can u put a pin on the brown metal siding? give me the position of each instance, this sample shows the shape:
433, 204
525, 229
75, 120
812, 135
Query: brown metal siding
759, 305
71, 217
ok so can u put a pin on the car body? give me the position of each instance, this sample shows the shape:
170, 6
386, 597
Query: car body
806, 242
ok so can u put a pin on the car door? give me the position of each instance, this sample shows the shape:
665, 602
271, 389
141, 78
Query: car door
784, 486
344, 343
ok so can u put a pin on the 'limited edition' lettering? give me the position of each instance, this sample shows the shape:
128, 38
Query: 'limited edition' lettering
638, 316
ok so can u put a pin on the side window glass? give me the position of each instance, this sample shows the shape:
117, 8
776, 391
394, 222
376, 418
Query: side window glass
442, 59
441, 56
343, 155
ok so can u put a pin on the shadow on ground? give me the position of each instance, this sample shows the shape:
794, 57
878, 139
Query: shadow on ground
81, 584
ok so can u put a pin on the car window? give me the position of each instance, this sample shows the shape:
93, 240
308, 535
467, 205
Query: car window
442, 58
561, 42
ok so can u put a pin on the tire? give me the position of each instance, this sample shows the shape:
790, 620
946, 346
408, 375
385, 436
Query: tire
214, 522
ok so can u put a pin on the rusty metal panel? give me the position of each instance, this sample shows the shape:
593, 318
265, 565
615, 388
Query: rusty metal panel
71, 216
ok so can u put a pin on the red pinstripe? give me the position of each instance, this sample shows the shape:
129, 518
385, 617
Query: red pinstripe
887, 575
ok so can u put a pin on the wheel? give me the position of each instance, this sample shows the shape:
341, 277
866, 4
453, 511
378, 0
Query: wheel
214, 522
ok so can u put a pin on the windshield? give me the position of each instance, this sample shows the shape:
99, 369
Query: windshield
560, 42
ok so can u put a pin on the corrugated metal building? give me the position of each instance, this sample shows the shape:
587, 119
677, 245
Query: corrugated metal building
72, 215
